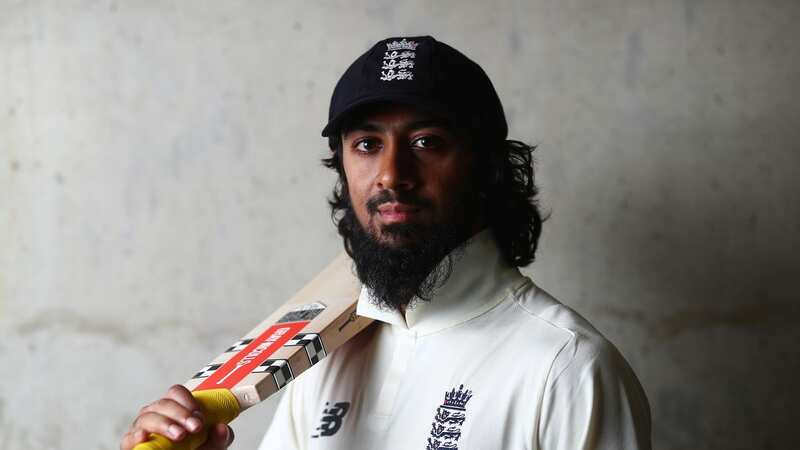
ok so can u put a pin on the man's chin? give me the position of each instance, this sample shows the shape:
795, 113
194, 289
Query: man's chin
398, 235
397, 262
397, 241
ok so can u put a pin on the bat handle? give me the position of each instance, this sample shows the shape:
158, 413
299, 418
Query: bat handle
219, 406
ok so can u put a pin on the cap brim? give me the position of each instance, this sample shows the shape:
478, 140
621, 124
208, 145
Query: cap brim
335, 123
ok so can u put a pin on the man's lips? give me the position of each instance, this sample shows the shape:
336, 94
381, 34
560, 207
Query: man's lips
397, 212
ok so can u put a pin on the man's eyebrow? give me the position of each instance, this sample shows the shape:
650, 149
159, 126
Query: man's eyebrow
430, 123
362, 126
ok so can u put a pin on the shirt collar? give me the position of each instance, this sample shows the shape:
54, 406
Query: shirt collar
480, 279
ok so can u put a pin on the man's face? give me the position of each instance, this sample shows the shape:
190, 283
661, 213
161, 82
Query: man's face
407, 169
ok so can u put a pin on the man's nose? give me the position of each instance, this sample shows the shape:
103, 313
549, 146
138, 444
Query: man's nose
397, 167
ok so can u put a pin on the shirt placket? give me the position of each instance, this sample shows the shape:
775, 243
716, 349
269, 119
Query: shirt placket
405, 342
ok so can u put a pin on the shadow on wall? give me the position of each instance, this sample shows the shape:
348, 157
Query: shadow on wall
704, 246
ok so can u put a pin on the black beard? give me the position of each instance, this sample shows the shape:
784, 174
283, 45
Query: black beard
397, 274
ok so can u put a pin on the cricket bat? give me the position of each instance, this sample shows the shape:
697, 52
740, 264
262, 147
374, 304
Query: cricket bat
314, 322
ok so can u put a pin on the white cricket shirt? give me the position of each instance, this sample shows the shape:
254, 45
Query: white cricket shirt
492, 362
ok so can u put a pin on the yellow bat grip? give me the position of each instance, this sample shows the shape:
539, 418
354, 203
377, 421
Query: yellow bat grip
219, 406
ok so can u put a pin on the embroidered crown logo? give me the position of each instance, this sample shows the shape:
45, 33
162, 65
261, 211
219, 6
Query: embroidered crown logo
402, 45
457, 399
398, 61
449, 417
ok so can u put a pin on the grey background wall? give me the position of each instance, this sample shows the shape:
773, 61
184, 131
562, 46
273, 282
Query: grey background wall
160, 192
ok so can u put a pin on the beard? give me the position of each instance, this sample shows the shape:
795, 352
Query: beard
413, 267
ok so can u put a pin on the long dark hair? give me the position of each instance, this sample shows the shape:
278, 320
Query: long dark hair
507, 188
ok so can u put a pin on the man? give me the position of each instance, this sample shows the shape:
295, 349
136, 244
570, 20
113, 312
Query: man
437, 210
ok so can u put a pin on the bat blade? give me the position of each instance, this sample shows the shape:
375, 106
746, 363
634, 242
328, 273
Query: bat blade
313, 323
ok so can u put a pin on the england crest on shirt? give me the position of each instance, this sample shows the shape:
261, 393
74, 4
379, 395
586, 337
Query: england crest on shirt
449, 417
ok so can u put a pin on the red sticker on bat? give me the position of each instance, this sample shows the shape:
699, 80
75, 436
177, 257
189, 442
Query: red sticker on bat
256, 352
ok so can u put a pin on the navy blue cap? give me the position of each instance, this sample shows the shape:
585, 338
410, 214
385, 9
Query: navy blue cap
422, 72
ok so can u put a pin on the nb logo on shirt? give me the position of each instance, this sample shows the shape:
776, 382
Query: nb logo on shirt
331, 419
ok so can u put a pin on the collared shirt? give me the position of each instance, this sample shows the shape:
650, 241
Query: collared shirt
491, 362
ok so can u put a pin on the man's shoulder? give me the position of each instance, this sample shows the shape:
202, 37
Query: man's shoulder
535, 304
579, 342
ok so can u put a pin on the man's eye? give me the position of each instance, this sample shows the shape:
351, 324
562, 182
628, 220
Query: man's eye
426, 142
367, 145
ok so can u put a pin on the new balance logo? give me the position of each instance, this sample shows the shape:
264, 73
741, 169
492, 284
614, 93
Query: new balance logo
331, 419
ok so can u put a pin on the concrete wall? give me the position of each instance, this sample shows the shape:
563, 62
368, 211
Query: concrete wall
160, 192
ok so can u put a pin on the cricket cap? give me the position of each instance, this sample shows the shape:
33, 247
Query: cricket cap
422, 72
